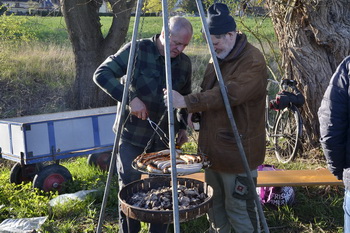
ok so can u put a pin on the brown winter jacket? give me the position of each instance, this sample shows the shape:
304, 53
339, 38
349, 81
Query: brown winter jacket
244, 73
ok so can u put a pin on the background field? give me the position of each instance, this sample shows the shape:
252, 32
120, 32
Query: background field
36, 75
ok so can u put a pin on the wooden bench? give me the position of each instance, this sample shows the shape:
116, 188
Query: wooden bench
287, 178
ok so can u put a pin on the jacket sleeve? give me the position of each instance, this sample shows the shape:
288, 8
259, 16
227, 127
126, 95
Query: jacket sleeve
242, 85
333, 116
109, 74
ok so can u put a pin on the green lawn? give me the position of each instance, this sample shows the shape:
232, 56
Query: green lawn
36, 76
53, 29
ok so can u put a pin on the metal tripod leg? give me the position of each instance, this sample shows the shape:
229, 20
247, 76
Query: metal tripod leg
120, 116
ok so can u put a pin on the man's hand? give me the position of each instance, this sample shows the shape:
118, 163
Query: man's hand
181, 137
189, 121
138, 109
178, 99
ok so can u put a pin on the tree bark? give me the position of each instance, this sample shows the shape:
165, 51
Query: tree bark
90, 47
314, 37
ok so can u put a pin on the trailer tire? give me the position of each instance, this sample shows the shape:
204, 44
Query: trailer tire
52, 178
100, 160
24, 173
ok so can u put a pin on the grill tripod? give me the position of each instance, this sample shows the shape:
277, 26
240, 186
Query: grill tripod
224, 94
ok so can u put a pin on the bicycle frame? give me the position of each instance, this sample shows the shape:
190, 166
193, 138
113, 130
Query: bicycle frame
300, 120
270, 127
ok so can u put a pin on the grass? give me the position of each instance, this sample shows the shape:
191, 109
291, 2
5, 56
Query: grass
53, 29
317, 209
35, 78
45, 66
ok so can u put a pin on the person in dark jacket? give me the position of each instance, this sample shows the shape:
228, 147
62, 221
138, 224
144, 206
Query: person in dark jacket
244, 73
334, 118
146, 100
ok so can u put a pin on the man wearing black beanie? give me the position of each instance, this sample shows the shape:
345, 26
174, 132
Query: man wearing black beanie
244, 73
219, 20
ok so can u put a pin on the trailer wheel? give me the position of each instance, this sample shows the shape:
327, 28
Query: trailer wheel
24, 173
100, 160
52, 178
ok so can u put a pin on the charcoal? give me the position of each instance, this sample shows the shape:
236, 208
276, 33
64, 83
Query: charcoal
161, 198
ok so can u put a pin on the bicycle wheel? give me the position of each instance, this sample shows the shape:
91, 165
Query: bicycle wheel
287, 131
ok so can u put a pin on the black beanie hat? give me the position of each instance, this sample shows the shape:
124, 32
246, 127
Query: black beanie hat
219, 19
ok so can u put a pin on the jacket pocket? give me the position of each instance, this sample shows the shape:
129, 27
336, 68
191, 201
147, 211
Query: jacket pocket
226, 141
227, 136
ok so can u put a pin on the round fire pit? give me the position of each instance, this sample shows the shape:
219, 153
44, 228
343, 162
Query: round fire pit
163, 216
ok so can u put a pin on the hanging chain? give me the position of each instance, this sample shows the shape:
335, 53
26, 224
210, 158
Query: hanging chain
134, 67
137, 46
134, 62
156, 127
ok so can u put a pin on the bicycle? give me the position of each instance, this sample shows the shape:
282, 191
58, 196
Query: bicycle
283, 119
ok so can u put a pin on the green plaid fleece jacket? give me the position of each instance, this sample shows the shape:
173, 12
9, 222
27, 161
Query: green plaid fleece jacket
148, 81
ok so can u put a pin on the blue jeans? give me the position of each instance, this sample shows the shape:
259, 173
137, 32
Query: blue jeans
127, 174
346, 207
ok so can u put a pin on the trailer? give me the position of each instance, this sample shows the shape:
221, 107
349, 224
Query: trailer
37, 143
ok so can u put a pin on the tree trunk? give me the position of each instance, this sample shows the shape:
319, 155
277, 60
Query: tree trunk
90, 47
314, 37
